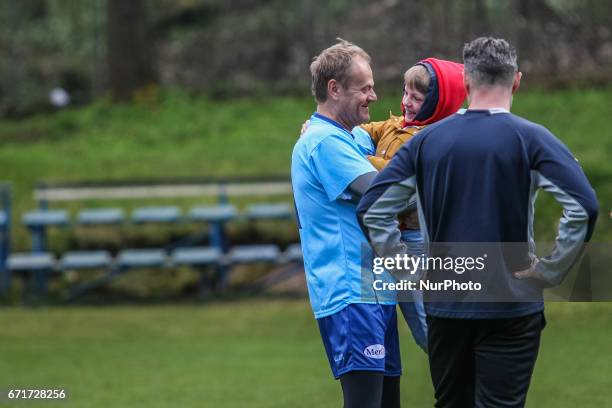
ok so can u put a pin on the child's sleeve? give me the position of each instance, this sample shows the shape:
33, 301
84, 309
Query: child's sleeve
378, 162
375, 129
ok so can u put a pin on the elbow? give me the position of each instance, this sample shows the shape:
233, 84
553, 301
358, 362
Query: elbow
589, 216
591, 206
592, 210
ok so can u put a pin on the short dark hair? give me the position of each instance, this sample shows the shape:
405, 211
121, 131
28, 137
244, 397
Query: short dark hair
333, 63
490, 61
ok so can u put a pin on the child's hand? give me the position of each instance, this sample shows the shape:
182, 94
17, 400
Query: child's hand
409, 221
304, 127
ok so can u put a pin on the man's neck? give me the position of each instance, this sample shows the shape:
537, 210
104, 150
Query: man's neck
490, 98
329, 112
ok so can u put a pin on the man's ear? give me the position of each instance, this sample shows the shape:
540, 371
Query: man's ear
466, 84
517, 81
333, 89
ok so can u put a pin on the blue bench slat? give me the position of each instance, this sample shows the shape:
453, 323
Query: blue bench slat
41, 218
254, 253
293, 253
156, 214
3, 218
213, 213
196, 256
31, 262
269, 211
101, 216
85, 260
136, 258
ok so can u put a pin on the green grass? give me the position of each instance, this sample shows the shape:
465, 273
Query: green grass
179, 135
256, 354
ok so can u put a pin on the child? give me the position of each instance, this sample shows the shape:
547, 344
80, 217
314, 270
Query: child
433, 90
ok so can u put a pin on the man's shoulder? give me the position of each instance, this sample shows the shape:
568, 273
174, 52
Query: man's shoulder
494, 116
529, 125
530, 132
319, 132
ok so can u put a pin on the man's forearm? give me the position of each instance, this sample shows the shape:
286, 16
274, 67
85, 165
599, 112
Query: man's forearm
378, 215
360, 185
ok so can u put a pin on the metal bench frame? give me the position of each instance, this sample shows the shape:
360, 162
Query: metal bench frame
221, 188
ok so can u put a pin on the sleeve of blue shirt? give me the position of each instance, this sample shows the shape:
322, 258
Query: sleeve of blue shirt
338, 161
364, 140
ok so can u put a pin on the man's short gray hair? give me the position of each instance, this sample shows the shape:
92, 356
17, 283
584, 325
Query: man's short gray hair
490, 61
333, 63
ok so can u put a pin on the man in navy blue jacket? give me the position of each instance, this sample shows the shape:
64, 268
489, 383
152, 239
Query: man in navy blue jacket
475, 175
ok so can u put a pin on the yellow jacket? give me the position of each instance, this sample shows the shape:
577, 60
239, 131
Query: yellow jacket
388, 136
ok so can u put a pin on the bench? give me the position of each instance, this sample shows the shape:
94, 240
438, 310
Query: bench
5, 235
218, 254
35, 268
37, 221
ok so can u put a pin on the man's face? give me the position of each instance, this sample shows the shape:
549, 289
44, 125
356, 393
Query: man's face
354, 99
412, 102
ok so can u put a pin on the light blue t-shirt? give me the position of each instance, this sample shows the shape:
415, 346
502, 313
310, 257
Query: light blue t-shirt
325, 161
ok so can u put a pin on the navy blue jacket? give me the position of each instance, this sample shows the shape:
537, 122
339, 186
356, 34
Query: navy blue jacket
476, 174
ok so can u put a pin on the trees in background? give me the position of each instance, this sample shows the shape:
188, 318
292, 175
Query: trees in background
116, 47
129, 51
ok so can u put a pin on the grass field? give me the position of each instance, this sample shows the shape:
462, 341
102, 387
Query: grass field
255, 353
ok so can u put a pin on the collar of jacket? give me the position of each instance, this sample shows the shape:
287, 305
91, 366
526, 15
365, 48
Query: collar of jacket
398, 122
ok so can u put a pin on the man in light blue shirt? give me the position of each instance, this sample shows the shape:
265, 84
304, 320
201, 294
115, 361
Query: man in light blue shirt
329, 173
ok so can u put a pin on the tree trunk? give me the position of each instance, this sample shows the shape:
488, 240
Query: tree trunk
130, 64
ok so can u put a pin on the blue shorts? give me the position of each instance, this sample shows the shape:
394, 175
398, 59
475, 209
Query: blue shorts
362, 337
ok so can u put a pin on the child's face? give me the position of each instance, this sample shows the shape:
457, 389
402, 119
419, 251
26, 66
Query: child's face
412, 101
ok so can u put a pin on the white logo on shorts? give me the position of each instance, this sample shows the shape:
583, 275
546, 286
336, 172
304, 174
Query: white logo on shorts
374, 351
